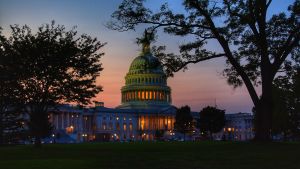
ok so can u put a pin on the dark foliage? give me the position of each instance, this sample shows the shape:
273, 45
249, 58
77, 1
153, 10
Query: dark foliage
184, 120
212, 120
10, 113
159, 134
54, 66
256, 46
286, 115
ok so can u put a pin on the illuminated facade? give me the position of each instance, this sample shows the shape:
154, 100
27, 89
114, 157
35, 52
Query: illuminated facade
145, 84
145, 103
238, 127
145, 108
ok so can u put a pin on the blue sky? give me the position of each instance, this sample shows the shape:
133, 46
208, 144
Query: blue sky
201, 85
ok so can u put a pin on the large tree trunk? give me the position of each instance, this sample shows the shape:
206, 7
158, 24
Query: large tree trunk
263, 114
263, 123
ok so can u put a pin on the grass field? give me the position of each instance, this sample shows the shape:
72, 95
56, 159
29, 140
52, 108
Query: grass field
168, 155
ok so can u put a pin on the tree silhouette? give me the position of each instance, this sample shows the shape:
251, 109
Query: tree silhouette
286, 89
10, 110
183, 120
55, 66
212, 120
255, 46
159, 134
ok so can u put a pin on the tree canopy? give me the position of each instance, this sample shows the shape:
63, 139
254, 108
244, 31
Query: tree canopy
256, 46
10, 114
211, 120
54, 66
184, 120
286, 115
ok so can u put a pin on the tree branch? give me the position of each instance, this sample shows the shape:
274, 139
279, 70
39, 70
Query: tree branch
268, 3
229, 55
292, 41
195, 61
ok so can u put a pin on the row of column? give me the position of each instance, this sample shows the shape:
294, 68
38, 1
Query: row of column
146, 95
62, 120
117, 126
150, 122
87, 123
146, 80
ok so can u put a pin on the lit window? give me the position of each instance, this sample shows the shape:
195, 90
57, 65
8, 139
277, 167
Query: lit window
142, 125
143, 96
124, 127
69, 129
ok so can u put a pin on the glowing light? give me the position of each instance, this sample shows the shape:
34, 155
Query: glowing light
143, 96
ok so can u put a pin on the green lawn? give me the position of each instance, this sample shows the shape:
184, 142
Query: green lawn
188, 155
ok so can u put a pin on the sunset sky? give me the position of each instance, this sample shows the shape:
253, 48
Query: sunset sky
197, 87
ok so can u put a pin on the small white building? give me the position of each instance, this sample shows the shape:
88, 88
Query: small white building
238, 127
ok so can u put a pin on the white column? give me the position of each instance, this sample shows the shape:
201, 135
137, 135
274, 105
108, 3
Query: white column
80, 126
68, 119
62, 121
56, 121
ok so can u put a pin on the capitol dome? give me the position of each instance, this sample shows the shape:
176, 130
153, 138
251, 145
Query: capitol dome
145, 83
145, 63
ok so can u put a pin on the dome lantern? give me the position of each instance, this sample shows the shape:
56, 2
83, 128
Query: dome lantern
145, 82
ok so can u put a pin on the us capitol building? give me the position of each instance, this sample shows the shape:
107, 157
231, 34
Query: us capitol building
145, 108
